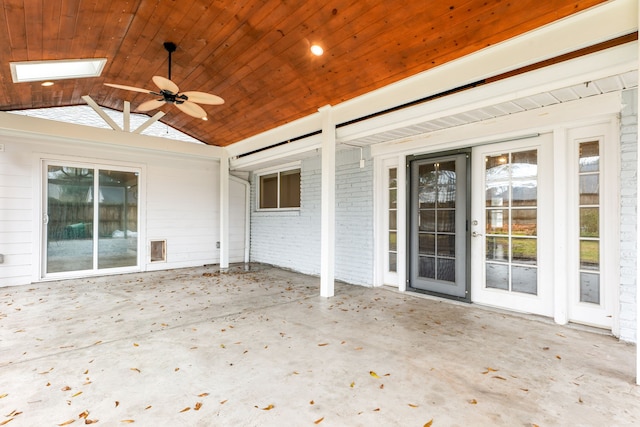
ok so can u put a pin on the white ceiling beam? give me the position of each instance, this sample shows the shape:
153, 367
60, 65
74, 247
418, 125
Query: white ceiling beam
101, 113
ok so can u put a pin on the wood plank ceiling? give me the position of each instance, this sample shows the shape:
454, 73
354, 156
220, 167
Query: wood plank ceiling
254, 54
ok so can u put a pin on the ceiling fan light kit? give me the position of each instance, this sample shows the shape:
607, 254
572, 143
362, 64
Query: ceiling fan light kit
169, 93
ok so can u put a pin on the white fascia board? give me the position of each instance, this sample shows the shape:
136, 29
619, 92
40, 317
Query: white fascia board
25, 126
304, 126
509, 127
600, 23
595, 25
296, 150
613, 61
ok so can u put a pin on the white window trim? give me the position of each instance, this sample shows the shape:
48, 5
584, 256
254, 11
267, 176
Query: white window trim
276, 169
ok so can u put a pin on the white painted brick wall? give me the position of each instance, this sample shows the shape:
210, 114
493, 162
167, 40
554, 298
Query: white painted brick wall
628, 215
292, 239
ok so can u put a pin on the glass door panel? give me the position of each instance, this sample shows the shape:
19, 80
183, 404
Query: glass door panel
118, 219
512, 225
70, 219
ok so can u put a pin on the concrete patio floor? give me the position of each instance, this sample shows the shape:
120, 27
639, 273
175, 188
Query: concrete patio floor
259, 347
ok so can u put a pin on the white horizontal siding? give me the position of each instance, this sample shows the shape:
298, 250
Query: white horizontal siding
179, 201
16, 212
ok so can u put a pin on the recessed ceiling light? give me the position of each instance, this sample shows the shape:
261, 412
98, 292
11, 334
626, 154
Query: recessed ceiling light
317, 50
48, 83
34, 71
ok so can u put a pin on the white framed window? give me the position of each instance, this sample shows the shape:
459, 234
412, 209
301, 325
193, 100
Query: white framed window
278, 189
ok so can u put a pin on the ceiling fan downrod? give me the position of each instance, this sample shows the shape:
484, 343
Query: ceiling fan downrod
170, 47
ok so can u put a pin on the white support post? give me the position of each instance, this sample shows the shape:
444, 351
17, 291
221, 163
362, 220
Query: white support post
638, 234
401, 232
328, 204
126, 116
560, 223
224, 211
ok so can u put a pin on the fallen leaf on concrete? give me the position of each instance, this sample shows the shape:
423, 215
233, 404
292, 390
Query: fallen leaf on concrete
319, 420
148, 407
473, 401
373, 374
311, 402
188, 408
90, 421
498, 377
222, 402
323, 344
117, 403
429, 423
7, 421
77, 394
84, 414
65, 388
376, 410
267, 408
203, 394
2, 396
136, 369
198, 406
352, 384
127, 421
558, 357
66, 423
489, 370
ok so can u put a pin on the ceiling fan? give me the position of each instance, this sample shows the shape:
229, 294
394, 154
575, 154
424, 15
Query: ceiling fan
170, 93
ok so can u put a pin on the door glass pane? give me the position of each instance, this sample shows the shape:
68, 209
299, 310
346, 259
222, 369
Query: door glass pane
589, 222
497, 221
497, 276
590, 288
447, 221
524, 251
427, 244
589, 189
524, 169
446, 184
447, 269
590, 255
497, 248
70, 212
118, 219
589, 159
427, 267
524, 222
524, 279
446, 245
393, 241
427, 181
427, 220
497, 180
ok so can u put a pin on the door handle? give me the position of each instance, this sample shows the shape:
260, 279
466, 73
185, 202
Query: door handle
475, 234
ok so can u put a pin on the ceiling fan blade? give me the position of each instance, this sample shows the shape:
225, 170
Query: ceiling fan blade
134, 89
192, 109
165, 84
150, 105
203, 98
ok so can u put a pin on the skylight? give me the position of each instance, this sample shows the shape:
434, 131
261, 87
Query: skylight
34, 71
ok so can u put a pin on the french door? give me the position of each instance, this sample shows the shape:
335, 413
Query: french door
438, 225
512, 225
90, 219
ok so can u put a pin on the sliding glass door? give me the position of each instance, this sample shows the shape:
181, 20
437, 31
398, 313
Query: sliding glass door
91, 218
